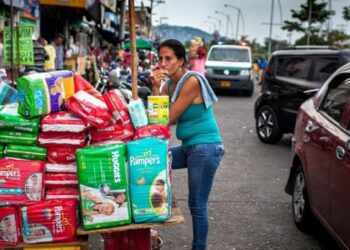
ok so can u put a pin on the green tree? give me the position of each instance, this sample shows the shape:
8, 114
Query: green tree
346, 13
319, 15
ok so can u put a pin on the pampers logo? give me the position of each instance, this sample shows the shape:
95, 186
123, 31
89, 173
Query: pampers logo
58, 219
10, 172
116, 167
144, 160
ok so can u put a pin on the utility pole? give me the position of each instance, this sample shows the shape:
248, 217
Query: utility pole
270, 33
122, 23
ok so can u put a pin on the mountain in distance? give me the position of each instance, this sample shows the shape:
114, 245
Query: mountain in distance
181, 33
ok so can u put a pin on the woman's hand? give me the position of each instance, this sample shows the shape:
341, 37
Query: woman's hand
159, 75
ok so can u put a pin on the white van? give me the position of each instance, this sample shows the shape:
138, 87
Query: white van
229, 67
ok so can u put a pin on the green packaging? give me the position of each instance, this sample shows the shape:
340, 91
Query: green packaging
1, 151
16, 137
25, 152
103, 186
11, 120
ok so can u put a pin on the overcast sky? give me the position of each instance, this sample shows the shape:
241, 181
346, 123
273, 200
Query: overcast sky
255, 12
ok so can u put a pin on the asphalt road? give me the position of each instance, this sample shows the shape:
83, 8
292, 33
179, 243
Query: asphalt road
248, 207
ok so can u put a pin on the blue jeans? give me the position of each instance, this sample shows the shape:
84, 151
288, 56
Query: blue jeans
201, 161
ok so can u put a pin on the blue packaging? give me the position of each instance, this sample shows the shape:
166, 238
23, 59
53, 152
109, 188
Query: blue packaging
149, 180
137, 113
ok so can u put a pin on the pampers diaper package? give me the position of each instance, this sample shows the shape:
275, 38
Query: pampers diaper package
42, 93
49, 221
21, 181
9, 226
103, 185
149, 180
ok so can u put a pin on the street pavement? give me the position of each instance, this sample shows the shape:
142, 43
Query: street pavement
248, 208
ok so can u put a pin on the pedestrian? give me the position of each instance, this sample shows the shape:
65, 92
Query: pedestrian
191, 109
262, 65
58, 45
49, 64
40, 55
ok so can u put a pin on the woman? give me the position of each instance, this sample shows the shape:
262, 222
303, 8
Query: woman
191, 109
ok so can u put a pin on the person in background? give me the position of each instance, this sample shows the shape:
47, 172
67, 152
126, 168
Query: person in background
262, 65
49, 64
58, 45
191, 109
40, 55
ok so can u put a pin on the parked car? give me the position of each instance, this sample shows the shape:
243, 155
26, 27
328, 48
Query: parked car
229, 67
319, 179
289, 79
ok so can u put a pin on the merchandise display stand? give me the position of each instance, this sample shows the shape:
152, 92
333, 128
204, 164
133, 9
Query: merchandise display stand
133, 236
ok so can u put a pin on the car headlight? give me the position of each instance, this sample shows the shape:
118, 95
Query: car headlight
245, 72
209, 71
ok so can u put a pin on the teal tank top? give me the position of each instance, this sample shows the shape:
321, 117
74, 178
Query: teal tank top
197, 125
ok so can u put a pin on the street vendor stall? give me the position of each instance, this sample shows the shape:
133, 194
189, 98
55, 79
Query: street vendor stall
64, 145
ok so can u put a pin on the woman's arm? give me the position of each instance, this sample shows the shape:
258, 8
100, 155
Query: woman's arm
189, 92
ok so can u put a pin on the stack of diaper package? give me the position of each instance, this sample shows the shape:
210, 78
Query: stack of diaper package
63, 143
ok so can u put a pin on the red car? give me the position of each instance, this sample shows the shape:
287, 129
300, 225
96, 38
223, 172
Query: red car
319, 180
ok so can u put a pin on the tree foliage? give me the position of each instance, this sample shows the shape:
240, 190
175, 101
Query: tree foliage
319, 16
346, 13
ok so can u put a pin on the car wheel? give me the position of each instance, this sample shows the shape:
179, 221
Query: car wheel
302, 214
267, 125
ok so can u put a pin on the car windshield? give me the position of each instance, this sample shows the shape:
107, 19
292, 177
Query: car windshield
229, 55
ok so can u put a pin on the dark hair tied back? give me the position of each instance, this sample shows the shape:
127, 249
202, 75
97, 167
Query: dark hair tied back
175, 45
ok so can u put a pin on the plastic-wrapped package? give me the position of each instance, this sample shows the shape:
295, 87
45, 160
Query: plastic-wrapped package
59, 139
42, 93
61, 193
61, 155
137, 113
8, 94
11, 120
90, 109
115, 132
9, 226
49, 221
63, 121
61, 168
117, 106
2, 146
16, 137
162, 132
21, 181
25, 152
81, 84
149, 180
66, 180
103, 185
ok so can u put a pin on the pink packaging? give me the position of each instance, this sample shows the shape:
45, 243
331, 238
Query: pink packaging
117, 106
60, 139
61, 181
61, 155
162, 132
62, 193
61, 168
9, 226
49, 221
115, 132
63, 121
89, 108
21, 181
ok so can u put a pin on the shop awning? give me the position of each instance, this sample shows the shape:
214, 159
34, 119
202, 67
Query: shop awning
140, 44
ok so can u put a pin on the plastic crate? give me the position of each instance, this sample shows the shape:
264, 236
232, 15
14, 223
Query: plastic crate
139, 239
